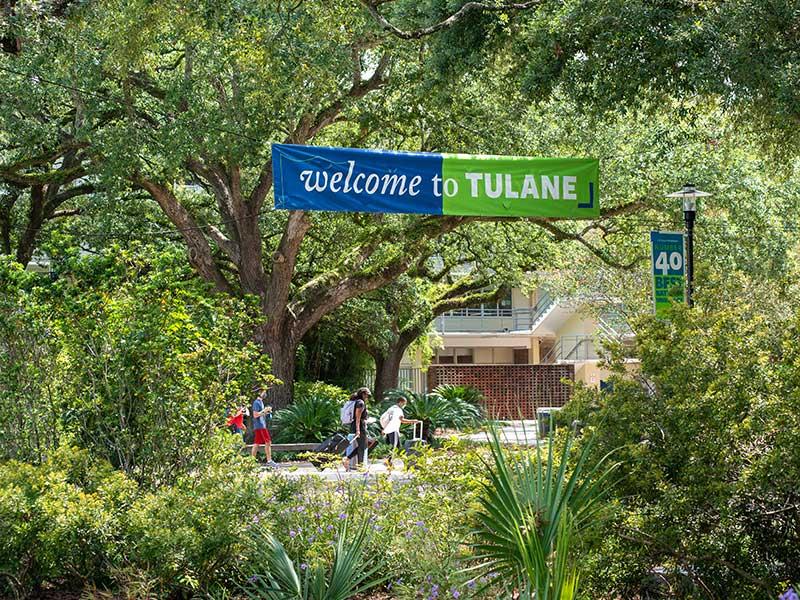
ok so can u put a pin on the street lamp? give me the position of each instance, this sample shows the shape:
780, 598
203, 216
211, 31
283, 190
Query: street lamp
689, 193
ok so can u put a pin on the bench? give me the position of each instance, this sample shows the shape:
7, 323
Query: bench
305, 447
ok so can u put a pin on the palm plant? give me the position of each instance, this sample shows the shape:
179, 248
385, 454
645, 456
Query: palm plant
532, 510
277, 578
310, 419
467, 393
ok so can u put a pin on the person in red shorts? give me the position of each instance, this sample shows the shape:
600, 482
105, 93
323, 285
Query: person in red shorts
260, 415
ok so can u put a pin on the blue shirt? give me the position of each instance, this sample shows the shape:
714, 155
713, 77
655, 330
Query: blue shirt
258, 422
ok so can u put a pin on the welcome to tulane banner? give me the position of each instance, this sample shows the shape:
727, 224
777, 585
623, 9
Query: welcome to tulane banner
349, 179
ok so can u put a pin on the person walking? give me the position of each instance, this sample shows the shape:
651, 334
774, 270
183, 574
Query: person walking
358, 427
261, 437
392, 419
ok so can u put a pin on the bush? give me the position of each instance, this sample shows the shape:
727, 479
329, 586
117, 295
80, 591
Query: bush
710, 439
63, 521
308, 419
191, 536
466, 393
320, 389
126, 355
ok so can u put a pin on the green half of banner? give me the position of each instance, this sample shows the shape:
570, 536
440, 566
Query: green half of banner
520, 186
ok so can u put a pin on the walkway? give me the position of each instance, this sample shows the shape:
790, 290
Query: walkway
522, 433
296, 470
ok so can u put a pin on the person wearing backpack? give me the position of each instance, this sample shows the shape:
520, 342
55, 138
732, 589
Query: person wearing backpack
355, 413
391, 421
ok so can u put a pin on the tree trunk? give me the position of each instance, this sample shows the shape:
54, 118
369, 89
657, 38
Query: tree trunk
387, 363
282, 353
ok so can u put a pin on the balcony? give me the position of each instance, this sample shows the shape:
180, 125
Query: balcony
493, 320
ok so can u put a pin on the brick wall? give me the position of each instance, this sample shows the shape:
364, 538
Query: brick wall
511, 391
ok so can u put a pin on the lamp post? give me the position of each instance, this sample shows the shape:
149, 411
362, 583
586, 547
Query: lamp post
689, 194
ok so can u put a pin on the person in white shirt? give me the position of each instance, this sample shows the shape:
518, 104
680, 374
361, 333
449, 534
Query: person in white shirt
391, 421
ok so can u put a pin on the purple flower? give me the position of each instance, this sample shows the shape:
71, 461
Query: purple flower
789, 594
252, 579
434, 592
455, 593
330, 527
303, 566
300, 508
471, 584
419, 524
342, 516
292, 533
409, 535
256, 519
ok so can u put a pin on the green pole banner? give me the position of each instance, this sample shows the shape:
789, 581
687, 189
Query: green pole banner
669, 270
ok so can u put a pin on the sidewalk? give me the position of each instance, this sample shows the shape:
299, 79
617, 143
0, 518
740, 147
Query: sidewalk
296, 470
523, 433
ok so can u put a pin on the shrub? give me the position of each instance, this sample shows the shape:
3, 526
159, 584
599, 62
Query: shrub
191, 535
320, 389
62, 521
308, 419
467, 393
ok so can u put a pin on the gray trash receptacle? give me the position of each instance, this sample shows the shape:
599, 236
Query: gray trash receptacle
544, 415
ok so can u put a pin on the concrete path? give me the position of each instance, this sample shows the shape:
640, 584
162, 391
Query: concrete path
523, 433
296, 470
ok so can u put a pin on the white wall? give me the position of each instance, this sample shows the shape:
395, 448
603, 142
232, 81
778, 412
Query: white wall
519, 299
577, 325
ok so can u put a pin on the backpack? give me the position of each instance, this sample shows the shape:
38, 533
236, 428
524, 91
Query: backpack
348, 412
386, 417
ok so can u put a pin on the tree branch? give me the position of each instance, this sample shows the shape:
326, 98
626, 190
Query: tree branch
327, 294
200, 254
230, 249
460, 14
561, 235
284, 260
66, 213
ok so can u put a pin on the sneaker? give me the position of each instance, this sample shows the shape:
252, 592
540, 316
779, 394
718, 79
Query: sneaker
272, 464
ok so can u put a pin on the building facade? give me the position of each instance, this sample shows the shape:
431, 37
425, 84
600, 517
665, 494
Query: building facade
520, 351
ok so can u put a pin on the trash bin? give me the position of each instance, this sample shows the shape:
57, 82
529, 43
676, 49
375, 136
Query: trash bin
544, 415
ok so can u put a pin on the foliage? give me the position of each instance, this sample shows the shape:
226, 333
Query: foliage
75, 520
63, 521
709, 438
531, 511
307, 419
466, 393
190, 535
320, 389
276, 575
429, 513
29, 426
127, 355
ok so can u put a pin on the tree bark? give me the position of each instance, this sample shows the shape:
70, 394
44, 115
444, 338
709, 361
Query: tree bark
387, 361
282, 353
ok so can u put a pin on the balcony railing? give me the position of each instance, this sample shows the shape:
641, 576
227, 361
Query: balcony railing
571, 348
493, 320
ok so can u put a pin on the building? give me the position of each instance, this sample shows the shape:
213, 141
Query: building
520, 351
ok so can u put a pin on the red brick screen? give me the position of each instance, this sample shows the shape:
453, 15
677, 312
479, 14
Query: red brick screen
511, 391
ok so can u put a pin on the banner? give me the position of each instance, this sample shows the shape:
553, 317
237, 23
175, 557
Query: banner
669, 270
354, 180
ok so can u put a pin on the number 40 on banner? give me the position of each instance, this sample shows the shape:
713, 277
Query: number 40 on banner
669, 270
